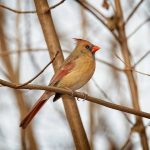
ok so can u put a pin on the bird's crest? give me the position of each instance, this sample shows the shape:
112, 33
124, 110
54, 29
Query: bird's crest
78, 40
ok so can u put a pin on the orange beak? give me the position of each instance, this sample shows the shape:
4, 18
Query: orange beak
95, 48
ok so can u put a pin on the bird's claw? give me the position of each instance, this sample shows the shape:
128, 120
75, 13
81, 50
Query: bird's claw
84, 96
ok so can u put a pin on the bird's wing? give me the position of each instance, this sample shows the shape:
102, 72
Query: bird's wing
64, 70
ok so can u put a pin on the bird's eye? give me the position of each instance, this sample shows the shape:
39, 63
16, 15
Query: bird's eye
87, 47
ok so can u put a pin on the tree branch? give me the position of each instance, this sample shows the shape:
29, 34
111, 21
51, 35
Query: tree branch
145, 55
29, 12
109, 64
138, 27
39, 72
133, 11
77, 94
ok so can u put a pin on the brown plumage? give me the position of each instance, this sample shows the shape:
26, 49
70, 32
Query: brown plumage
75, 72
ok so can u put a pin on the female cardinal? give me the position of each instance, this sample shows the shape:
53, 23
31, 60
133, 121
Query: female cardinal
76, 71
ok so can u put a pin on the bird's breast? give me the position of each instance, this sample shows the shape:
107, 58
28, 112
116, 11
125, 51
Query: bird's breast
80, 74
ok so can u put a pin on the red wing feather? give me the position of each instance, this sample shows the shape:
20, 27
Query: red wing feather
62, 72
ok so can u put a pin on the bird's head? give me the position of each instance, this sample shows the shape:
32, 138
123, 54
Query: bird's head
86, 45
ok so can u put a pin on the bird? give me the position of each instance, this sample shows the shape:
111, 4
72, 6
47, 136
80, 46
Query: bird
75, 72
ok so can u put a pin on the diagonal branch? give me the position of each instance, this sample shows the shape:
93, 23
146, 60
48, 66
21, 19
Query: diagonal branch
145, 55
133, 11
126, 142
109, 64
39, 72
138, 27
31, 11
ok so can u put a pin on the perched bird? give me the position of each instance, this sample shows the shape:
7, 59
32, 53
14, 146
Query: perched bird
75, 72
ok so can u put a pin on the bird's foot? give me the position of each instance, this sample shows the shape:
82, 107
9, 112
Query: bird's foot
84, 96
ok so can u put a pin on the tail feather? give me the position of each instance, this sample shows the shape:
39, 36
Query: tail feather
57, 96
42, 100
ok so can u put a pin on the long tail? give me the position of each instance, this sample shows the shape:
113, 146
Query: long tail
41, 101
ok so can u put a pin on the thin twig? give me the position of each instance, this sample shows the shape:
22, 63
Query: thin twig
17, 11
121, 59
127, 141
28, 12
39, 72
97, 11
52, 7
145, 55
131, 68
107, 97
79, 95
133, 11
140, 72
138, 27
101, 90
109, 64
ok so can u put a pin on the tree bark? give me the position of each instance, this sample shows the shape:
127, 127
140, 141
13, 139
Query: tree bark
129, 73
71, 109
